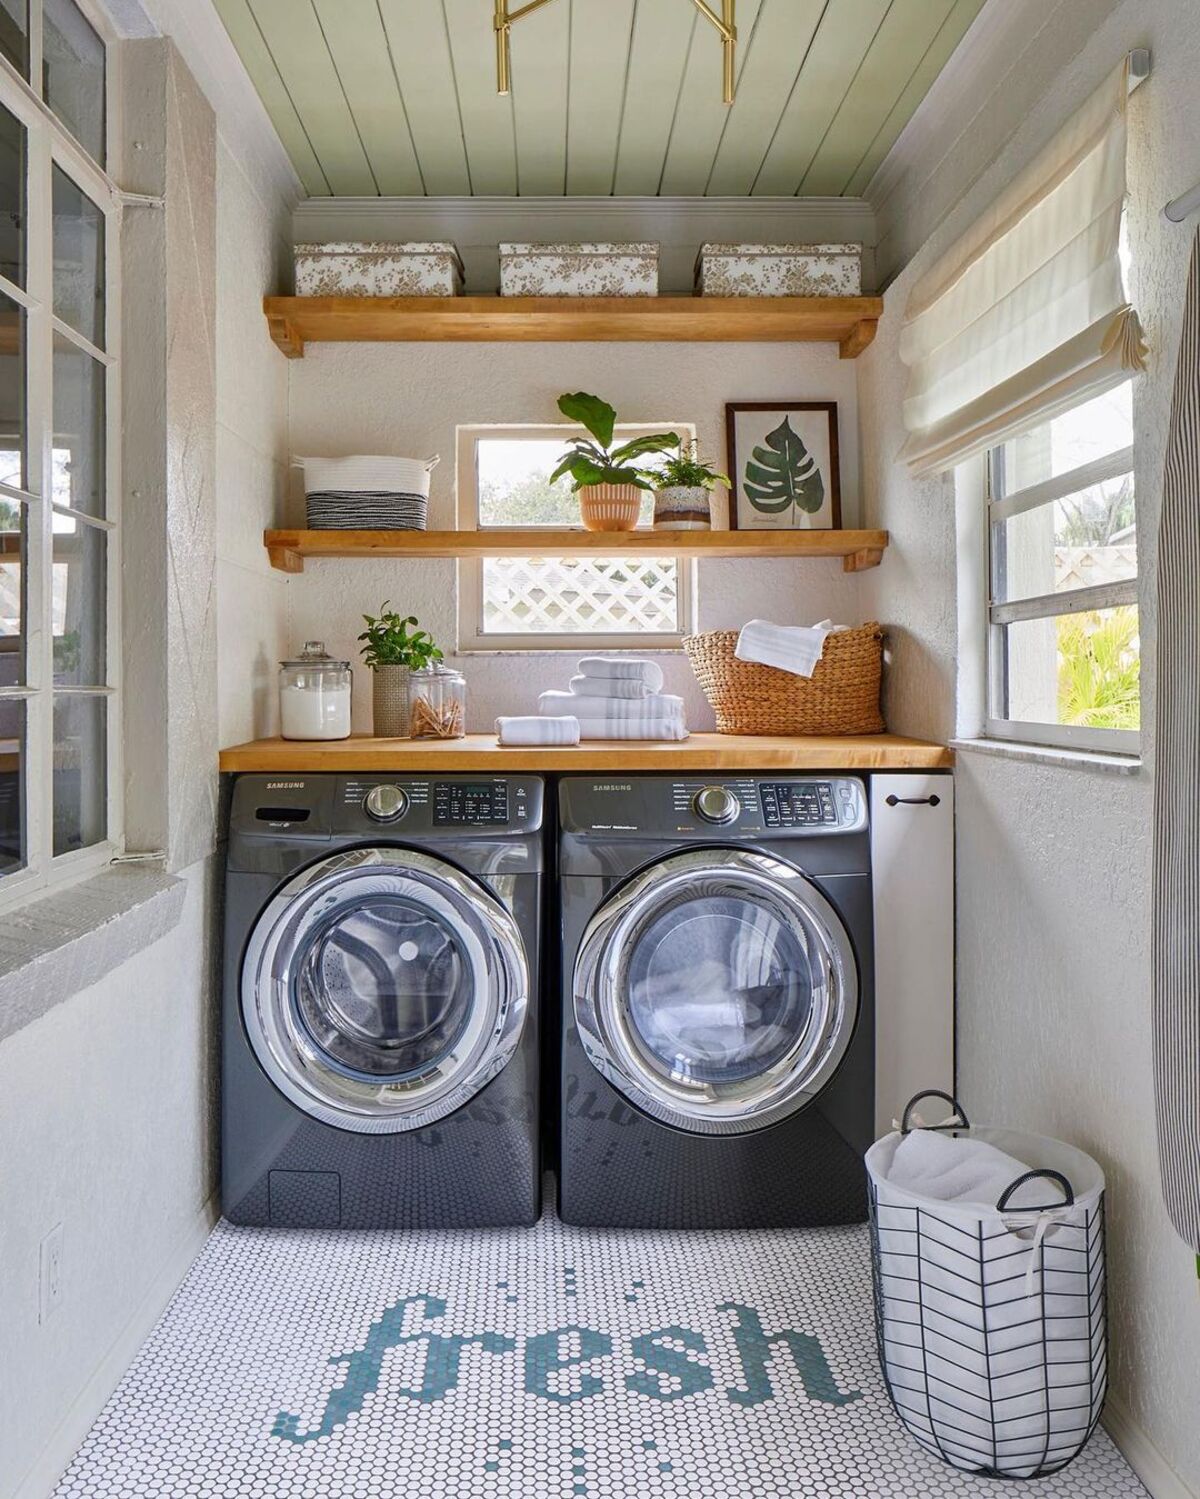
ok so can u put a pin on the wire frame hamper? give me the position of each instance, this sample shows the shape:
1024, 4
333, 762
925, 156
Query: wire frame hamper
992, 1323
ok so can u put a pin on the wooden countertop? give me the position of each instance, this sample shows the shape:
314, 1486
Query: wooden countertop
481, 752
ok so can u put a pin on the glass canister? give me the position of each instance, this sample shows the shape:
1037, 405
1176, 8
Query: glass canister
437, 703
314, 695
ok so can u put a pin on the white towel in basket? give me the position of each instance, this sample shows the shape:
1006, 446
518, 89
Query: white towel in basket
953, 1169
793, 648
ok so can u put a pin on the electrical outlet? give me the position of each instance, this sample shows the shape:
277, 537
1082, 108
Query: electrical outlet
50, 1274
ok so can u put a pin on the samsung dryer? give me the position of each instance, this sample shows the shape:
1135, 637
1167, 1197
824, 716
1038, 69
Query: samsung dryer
380, 1031
717, 1030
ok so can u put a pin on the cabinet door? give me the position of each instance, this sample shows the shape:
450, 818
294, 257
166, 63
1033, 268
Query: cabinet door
912, 859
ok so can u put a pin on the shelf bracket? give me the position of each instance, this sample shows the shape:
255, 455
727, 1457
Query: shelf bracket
284, 336
860, 337
860, 561
285, 559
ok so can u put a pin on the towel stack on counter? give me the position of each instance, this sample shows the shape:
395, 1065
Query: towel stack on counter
610, 697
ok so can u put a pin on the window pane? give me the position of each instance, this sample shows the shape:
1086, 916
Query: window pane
80, 778
78, 260
1086, 538
14, 34
14, 579
514, 484
78, 617
12, 396
580, 596
73, 69
78, 456
12, 198
12, 786
1100, 426
1078, 669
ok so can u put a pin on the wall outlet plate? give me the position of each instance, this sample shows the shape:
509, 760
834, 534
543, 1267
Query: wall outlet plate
50, 1273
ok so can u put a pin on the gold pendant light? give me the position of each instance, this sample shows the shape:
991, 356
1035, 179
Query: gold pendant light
502, 23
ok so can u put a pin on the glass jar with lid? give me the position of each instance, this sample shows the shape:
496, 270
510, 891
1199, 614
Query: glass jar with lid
314, 695
437, 703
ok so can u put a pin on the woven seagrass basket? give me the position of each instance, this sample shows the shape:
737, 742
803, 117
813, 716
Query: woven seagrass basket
841, 696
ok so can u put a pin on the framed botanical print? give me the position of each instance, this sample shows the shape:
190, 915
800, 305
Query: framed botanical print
783, 462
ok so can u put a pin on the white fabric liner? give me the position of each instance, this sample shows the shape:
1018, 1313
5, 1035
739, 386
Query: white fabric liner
1026, 314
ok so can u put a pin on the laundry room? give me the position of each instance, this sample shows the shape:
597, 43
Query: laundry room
599, 819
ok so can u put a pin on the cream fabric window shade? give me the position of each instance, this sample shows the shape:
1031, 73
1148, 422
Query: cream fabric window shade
1026, 315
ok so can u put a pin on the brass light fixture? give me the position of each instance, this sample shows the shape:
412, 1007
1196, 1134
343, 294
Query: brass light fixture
502, 23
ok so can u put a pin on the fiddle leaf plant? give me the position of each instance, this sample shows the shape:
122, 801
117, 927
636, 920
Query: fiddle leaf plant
783, 474
387, 641
597, 461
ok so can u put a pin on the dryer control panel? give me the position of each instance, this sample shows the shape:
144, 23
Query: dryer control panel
709, 807
423, 804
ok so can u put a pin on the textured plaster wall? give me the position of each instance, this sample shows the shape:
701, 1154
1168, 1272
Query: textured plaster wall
1054, 863
396, 398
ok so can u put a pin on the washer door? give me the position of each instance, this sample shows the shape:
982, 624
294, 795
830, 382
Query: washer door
382, 988
717, 990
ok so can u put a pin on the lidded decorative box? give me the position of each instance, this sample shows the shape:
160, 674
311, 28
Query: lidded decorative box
779, 271
594, 269
371, 268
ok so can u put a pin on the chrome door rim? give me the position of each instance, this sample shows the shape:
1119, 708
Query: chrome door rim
499, 968
600, 998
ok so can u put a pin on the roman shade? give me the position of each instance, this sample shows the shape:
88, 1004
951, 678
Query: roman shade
1026, 314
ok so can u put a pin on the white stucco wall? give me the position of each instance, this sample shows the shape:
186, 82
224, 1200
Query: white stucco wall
408, 398
1054, 863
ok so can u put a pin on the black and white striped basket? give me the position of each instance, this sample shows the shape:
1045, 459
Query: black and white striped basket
354, 510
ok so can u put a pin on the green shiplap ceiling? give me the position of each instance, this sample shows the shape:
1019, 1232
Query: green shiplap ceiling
398, 97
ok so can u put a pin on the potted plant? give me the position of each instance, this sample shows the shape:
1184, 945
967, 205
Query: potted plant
608, 480
391, 652
682, 490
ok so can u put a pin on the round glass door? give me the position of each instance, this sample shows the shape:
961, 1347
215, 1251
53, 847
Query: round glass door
382, 988
717, 991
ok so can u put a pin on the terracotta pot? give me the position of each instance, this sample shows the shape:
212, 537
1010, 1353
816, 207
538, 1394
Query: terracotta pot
389, 702
610, 507
682, 507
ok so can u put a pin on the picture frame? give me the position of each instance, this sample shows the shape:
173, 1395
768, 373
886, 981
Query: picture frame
783, 466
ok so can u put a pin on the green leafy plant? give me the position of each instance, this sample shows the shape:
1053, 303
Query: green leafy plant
783, 474
1099, 669
388, 642
598, 461
687, 470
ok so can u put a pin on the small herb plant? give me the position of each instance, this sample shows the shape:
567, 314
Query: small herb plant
687, 470
598, 461
388, 642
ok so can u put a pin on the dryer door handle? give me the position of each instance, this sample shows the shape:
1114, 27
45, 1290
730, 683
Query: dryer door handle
914, 801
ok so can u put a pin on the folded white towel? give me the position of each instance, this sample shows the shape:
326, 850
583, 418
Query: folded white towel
659, 716
536, 729
624, 667
628, 687
609, 728
954, 1168
793, 648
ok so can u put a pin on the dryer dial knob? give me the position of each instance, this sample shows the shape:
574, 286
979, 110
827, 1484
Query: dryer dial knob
385, 803
716, 804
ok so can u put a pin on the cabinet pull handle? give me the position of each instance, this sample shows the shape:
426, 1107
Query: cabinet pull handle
914, 801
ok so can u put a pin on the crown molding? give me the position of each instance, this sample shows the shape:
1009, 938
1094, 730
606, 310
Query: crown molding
667, 211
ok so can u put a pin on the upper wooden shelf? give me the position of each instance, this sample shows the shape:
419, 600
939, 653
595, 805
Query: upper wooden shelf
858, 549
848, 322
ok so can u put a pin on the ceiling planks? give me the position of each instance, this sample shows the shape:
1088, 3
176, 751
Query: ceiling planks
600, 41
663, 37
540, 53
420, 47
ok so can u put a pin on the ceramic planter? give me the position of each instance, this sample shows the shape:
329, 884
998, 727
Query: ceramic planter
610, 507
682, 507
389, 702
779, 271
579, 270
366, 268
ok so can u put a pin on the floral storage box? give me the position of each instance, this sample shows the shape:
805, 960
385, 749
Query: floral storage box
352, 268
779, 271
583, 270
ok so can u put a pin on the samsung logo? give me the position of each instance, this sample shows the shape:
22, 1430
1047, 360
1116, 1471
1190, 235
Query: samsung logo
612, 786
285, 785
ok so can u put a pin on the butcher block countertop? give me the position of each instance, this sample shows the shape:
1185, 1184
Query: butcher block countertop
480, 752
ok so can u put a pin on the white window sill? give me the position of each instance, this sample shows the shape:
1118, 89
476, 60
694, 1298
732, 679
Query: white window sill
1045, 754
68, 939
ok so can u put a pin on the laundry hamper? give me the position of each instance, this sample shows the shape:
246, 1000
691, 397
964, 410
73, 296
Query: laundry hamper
991, 1322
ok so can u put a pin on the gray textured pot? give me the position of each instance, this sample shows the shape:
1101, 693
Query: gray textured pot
682, 507
389, 702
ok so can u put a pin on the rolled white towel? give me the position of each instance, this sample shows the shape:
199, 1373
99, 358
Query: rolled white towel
610, 728
637, 718
953, 1168
538, 729
625, 668
627, 687
792, 648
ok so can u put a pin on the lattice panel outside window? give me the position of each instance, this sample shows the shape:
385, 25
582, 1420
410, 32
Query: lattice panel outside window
581, 596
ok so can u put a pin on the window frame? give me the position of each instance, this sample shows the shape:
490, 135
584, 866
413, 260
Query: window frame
1000, 506
49, 144
471, 637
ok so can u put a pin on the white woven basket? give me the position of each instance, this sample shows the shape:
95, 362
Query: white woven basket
367, 474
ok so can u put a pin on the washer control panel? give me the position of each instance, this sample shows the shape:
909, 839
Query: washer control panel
813, 803
712, 809
386, 803
466, 804
412, 805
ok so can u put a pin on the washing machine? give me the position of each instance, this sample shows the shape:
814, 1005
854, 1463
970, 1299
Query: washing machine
380, 1028
717, 1025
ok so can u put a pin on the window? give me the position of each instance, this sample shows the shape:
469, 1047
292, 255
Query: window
1063, 647
59, 646
532, 602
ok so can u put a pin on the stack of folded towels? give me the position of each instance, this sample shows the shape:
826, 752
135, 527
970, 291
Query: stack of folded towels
614, 697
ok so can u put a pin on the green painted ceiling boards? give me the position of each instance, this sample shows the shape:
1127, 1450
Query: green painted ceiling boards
398, 97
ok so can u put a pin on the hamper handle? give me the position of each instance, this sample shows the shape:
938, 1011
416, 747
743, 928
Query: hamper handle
1045, 1174
905, 1128
914, 801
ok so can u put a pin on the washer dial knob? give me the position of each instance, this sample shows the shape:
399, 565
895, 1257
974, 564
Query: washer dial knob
716, 804
385, 803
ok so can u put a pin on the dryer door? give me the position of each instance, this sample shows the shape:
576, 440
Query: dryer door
717, 990
382, 988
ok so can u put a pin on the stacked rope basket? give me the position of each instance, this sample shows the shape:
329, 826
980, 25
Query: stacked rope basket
841, 696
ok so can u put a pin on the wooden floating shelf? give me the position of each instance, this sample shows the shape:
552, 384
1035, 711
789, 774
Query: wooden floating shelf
857, 549
848, 322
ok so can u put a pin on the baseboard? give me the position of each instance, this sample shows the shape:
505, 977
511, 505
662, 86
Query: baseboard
40, 1480
1142, 1455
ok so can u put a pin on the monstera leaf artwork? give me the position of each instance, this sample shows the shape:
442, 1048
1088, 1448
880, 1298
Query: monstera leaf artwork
783, 474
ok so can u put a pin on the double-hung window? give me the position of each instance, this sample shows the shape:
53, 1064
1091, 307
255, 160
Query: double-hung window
531, 601
1063, 646
59, 563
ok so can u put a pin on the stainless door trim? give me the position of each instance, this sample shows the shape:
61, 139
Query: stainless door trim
495, 954
600, 1002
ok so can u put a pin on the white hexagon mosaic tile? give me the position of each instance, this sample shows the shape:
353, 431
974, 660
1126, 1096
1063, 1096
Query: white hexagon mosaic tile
546, 1363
